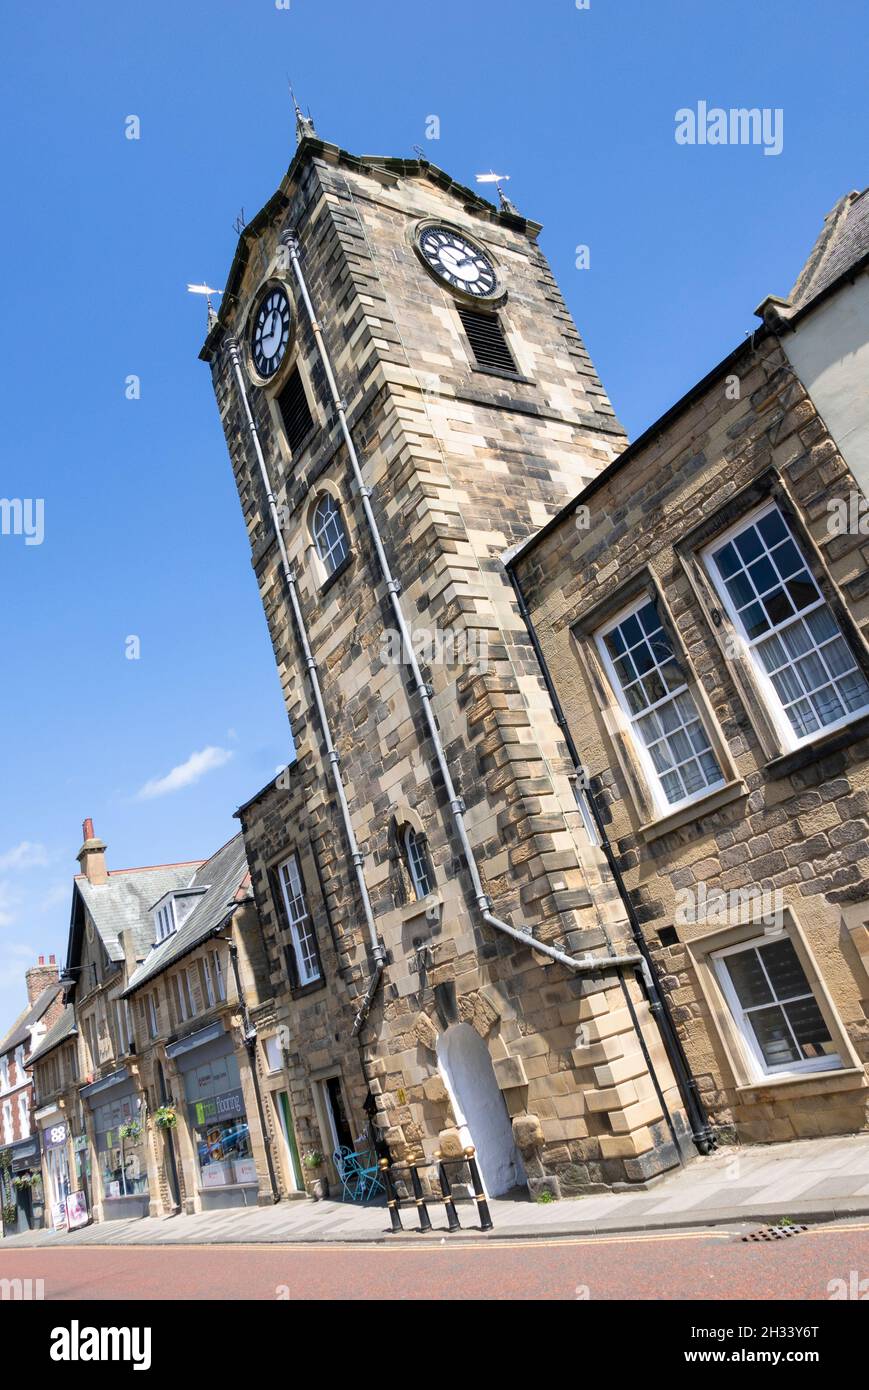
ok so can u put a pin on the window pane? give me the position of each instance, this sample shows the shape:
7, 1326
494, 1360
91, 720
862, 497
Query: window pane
748, 979
783, 967
811, 1031
772, 527
749, 545
773, 1036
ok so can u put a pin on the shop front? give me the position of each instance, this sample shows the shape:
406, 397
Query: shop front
216, 1113
119, 1144
21, 1186
55, 1169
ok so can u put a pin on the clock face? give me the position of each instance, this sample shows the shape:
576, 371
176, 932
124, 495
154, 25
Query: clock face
270, 332
458, 262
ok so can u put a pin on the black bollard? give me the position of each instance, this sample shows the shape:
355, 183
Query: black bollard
391, 1199
424, 1218
486, 1222
453, 1222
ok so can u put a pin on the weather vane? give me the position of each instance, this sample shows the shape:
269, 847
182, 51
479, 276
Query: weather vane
497, 180
208, 291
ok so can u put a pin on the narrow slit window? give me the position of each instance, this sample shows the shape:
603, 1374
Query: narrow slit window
295, 411
418, 863
299, 922
488, 343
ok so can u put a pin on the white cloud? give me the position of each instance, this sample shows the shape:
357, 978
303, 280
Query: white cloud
185, 774
26, 855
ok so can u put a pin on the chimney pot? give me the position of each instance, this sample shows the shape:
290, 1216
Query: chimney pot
92, 855
87, 829
39, 977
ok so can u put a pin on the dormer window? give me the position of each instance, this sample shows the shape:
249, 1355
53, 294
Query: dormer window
172, 911
164, 918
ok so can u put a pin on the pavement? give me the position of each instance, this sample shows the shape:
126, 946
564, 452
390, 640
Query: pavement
812, 1180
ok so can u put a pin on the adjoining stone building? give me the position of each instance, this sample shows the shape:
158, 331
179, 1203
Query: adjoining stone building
149, 1084
22, 1197
702, 608
405, 397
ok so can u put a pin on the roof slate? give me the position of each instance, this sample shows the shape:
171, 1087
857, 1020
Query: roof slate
20, 1030
843, 242
126, 900
58, 1032
223, 875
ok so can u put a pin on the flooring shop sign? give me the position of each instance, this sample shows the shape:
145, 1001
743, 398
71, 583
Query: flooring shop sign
77, 1343
229, 1106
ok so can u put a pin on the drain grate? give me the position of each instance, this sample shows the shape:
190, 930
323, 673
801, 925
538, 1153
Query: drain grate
774, 1232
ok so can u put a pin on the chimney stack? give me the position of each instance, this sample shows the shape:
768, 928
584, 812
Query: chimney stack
92, 855
39, 977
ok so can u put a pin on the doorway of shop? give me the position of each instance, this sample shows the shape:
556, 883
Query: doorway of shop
288, 1130
341, 1133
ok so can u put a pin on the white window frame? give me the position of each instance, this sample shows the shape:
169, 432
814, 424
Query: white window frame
164, 921
326, 549
183, 995
790, 740
660, 799
418, 862
122, 1024
219, 982
209, 983
24, 1114
301, 926
151, 1011
830, 1061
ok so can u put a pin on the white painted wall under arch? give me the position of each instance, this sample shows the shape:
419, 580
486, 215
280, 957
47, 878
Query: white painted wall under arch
481, 1114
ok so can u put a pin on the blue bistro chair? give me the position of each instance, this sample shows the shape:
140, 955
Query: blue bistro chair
359, 1174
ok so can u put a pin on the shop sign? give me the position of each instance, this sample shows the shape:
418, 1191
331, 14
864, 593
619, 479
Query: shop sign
79, 1143
76, 1210
55, 1136
229, 1106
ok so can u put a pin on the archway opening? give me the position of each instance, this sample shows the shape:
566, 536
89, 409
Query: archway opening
479, 1107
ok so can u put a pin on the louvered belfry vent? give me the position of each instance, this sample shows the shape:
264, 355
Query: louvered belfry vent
487, 340
295, 411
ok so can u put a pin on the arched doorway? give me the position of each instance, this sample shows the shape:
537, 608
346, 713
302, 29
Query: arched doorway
479, 1107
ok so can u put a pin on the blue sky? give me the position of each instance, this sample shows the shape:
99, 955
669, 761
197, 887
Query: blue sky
143, 532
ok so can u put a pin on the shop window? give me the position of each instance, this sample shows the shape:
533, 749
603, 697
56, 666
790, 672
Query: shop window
119, 1138
217, 1115
774, 1007
805, 668
652, 689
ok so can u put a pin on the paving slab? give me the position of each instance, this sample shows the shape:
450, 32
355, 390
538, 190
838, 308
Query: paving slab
807, 1180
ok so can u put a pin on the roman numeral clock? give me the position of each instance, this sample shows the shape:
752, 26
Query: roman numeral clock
270, 330
457, 261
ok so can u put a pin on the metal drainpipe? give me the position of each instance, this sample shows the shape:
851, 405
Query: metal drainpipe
586, 965
249, 1034
701, 1131
377, 951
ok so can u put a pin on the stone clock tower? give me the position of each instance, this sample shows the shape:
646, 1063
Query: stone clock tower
405, 398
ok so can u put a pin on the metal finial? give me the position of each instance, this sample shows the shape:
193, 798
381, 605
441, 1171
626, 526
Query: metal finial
497, 180
304, 124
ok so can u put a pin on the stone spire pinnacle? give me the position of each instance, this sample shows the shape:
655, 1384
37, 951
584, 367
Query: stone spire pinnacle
304, 124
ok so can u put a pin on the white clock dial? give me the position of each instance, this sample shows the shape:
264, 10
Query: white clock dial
270, 332
458, 262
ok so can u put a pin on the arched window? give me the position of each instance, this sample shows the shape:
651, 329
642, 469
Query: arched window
418, 862
330, 537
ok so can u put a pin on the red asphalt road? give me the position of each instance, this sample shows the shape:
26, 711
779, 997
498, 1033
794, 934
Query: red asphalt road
667, 1266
